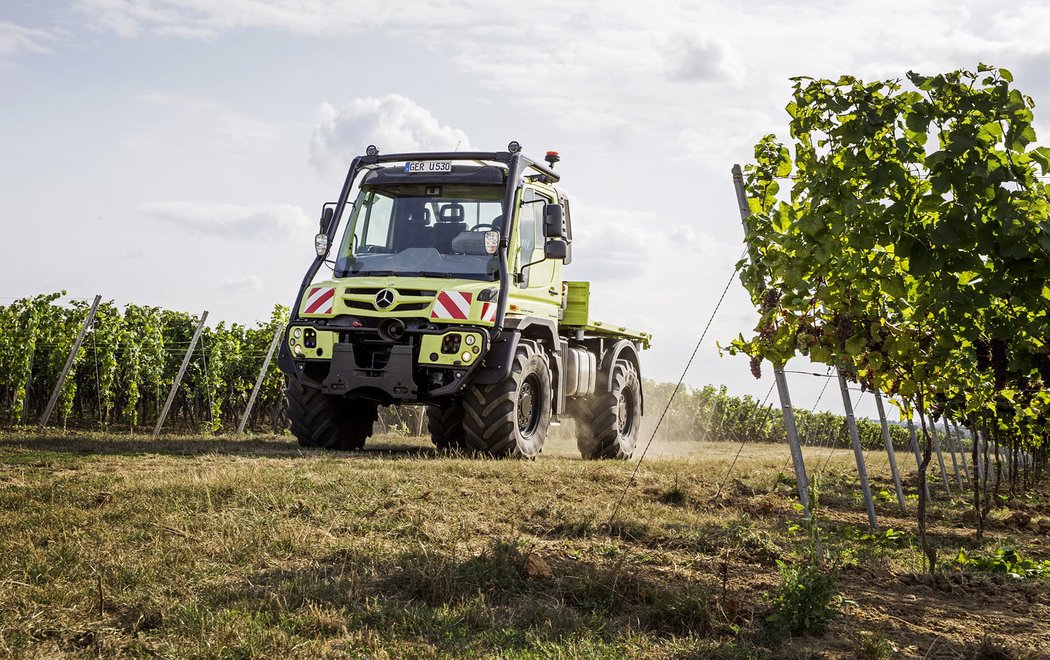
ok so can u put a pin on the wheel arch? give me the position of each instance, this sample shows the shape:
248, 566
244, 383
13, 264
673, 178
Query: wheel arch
546, 331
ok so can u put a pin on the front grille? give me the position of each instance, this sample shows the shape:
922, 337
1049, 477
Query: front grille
416, 293
408, 300
372, 291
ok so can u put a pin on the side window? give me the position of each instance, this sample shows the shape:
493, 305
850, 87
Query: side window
568, 228
527, 230
537, 213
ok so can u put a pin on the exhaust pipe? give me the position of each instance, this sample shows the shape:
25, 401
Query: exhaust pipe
392, 330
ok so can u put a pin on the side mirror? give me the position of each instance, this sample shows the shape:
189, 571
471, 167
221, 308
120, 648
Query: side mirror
555, 250
327, 213
553, 221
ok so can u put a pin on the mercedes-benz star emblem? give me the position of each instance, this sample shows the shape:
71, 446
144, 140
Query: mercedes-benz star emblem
384, 299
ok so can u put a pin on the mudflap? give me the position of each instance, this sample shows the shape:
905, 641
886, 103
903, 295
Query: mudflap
497, 363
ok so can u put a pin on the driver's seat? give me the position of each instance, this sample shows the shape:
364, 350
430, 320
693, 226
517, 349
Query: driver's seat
450, 222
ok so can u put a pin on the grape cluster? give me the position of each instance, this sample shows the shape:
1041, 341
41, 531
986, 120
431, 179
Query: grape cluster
765, 333
1042, 362
849, 372
756, 367
937, 409
999, 361
770, 299
845, 325
984, 355
877, 336
868, 383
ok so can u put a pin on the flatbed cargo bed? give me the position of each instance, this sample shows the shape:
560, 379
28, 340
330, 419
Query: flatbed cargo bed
577, 317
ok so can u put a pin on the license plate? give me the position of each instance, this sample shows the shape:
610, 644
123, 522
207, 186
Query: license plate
428, 167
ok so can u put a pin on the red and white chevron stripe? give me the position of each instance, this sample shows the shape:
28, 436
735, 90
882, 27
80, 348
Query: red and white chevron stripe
320, 300
451, 305
488, 312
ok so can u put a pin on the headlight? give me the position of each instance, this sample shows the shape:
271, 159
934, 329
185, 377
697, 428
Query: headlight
466, 356
321, 244
298, 332
470, 340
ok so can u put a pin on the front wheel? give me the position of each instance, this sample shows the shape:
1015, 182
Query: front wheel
445, 424
608, 423
330, 422
512, 417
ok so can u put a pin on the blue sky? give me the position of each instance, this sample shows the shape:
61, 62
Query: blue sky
177, 152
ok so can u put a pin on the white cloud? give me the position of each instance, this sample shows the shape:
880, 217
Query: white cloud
629, 72
205, 19
225, 128
273, 222
392, 122
16, 40
243, 284
703, 59
621, 244
1024, 28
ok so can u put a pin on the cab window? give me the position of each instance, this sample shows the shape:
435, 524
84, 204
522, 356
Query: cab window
530, 231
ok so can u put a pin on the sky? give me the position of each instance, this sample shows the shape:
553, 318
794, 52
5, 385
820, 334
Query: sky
177, 152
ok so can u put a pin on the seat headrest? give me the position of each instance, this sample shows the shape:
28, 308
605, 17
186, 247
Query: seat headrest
451, 213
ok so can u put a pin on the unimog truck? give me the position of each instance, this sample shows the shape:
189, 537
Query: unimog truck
445, 289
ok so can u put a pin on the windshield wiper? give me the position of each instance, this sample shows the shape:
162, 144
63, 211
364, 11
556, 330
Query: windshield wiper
378, 273
427, 273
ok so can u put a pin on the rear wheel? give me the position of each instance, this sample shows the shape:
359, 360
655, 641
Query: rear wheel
608, 423
445, 424
322, 420
511, 418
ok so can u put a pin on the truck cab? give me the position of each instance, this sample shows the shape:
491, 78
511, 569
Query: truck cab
438, 282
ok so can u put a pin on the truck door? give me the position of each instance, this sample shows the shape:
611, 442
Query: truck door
541, 282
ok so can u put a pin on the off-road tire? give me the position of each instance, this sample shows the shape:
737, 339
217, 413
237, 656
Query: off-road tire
330, 422
445, 424
608, 423
512, 417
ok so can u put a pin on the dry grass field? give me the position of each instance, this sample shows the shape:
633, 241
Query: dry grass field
113, 546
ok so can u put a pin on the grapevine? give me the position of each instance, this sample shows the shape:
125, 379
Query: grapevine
915, 235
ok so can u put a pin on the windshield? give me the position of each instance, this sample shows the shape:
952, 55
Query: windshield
421, 230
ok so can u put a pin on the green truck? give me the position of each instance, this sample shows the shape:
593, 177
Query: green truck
445, 289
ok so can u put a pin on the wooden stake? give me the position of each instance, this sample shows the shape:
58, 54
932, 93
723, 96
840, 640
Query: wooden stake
178, 377
792, 433
918, 456
69, 364
951, 452
889, 450
940, 458
858, 451
260, 379
778, 372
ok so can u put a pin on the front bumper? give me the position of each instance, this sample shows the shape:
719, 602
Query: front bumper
419, 367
